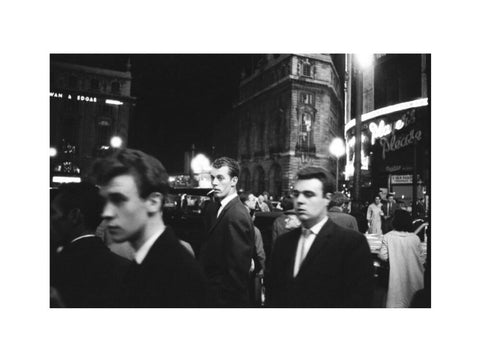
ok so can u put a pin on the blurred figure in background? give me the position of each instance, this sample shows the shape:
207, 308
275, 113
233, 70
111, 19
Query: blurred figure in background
84, 272
285, 222
262, 204
257, 267
360, 214
336, 212
374, 217
388, 208
406, 258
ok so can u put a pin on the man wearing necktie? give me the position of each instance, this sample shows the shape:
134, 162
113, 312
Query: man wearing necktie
389, 208
320, 264
230, 239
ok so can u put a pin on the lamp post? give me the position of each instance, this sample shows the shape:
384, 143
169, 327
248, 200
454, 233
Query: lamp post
337, 148
361, 61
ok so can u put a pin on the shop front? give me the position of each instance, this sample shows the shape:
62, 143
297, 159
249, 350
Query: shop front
396, 153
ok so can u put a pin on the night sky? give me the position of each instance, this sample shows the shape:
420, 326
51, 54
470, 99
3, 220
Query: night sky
179, 98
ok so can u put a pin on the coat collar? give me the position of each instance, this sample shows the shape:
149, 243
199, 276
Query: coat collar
229, 205
323, 237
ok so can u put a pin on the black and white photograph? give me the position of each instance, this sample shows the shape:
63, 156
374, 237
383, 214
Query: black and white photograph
236, 181
250, 163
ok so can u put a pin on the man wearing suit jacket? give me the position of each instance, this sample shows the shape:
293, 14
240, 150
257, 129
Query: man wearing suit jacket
164, 274
84, 272
320, 264
388, 208
228, 250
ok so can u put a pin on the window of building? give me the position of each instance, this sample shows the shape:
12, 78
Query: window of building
306, 98
72, 81
115, 87
94, 84
307, 69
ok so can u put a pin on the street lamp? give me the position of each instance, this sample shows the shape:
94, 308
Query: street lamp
337, 148
116, 141
53, 152
362, 61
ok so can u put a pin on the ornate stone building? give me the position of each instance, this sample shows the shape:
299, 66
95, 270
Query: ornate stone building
88, 106
287, 113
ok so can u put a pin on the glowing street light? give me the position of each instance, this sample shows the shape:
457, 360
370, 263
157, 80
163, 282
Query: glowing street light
337, 148
200, 165
53, 152
116, 141
364, 60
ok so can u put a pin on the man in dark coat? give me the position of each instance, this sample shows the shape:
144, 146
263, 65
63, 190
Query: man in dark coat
85, 273
164, 274
388, 208
320, 264
227, 252
336, 213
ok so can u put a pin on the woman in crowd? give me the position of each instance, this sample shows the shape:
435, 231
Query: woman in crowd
374, 217
406, 257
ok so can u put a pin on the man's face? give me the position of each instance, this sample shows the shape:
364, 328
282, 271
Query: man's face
308, 200
390, 199
125, 211
222, 183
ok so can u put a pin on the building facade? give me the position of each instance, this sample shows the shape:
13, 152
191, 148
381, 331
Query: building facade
287, 114
88, 107
395, 128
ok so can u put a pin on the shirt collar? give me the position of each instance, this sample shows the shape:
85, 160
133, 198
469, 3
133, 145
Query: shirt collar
316, 228
227, 199
143, 250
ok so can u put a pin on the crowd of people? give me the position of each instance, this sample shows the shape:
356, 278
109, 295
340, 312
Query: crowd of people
318, 256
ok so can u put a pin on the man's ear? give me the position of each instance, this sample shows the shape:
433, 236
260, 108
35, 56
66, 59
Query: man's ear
154, 202
234, 181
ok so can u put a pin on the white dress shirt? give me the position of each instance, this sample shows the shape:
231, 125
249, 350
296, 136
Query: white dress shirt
143, 250
225, 201
305, 243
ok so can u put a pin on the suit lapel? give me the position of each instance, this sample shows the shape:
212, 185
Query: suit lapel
222, 213
320, 241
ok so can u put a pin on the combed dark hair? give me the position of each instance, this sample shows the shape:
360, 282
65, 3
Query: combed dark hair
149, 173
232, 164
318, 173
402, 221
337, 199
287, 203
83, 196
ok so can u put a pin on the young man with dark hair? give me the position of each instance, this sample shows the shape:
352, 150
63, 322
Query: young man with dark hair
320, 264
164, 274
84, 271
336, 213
228, 249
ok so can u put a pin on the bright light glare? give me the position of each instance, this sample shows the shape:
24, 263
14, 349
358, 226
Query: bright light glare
53, 152
364, 60
200, 164
113, 102
59, 179
337, 148
116, 142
